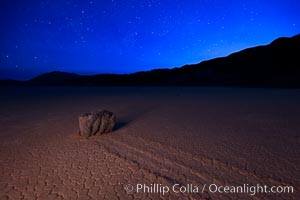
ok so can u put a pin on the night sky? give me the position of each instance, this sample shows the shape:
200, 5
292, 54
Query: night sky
124, 36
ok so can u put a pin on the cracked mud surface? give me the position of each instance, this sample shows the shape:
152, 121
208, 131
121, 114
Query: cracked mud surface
164, 136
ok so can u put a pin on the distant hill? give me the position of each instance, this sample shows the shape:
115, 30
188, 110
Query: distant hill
11, 83
274, 65
54, 78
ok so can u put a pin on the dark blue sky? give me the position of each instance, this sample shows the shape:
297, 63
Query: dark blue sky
124, 36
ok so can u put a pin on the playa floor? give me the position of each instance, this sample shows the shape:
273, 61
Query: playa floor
169, 143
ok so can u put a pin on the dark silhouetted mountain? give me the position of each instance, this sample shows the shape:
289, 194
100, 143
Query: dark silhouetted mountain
11, 83
274, 65
55, 78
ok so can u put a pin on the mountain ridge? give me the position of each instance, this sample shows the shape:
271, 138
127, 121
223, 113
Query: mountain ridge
276, 64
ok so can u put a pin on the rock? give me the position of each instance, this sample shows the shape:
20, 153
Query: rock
96, 123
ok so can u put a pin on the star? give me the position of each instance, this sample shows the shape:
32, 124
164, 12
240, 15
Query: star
79, 29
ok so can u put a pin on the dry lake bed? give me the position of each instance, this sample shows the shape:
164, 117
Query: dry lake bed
168, 143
